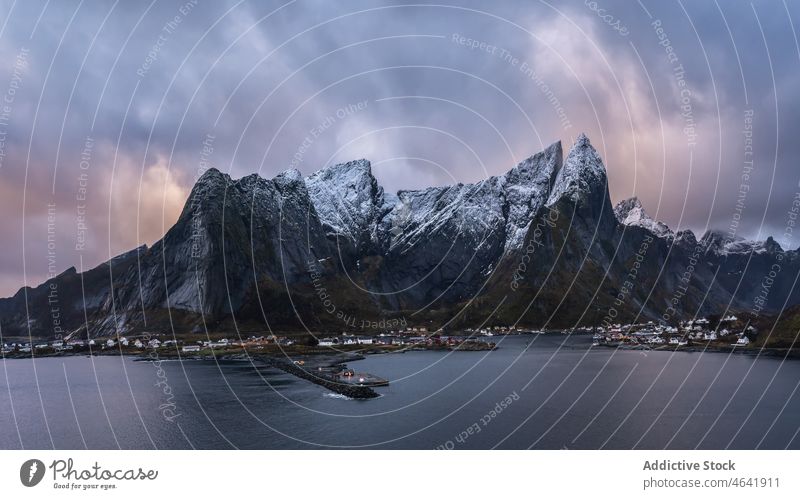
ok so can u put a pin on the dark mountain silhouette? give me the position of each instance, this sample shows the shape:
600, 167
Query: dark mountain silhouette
539, 246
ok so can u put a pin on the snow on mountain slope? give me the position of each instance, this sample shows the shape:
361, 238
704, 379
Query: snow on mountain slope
526, 188
348, 201
583, 172
630, 212
241, 250
472, 211
721, 243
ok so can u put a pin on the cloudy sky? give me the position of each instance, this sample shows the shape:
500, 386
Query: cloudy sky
106, 106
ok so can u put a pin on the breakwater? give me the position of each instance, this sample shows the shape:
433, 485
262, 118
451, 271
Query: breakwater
324, 380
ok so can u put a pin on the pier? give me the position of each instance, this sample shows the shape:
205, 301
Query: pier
353, 386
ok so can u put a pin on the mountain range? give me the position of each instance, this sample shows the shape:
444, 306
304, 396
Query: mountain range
540, 246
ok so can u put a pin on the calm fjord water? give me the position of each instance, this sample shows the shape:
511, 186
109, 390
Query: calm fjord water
548, 391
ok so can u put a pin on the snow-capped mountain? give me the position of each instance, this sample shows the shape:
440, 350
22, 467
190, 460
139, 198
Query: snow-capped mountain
540, 245
630, 212
583, 172
722, 243
349, 202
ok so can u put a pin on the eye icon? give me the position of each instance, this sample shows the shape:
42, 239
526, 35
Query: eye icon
31, 472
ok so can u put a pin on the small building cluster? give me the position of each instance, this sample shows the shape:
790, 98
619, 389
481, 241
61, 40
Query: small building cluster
727, 331
502, 331
412, 337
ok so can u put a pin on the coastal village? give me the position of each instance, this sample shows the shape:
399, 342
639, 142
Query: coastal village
410, 338
321, 359
318, 359
727, 331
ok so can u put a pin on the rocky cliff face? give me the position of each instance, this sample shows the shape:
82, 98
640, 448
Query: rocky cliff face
630, 212
539, 246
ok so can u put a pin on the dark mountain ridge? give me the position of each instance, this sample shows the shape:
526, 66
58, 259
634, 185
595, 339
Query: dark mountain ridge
538, 246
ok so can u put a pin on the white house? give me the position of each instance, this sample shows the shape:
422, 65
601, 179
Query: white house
214, 344
744, 340
328, 342
190, 348
110, 343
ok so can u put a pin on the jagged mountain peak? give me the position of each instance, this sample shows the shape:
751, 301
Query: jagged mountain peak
772, 245
352, 179
290, 179
343, 172
716, 237
212, 176
207, 189
290, 175
348, 200
530, 167
240, 254
723, 243
630, 212
505, 204
250, 183
526, 188
626, 206
583, 173
686, 238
